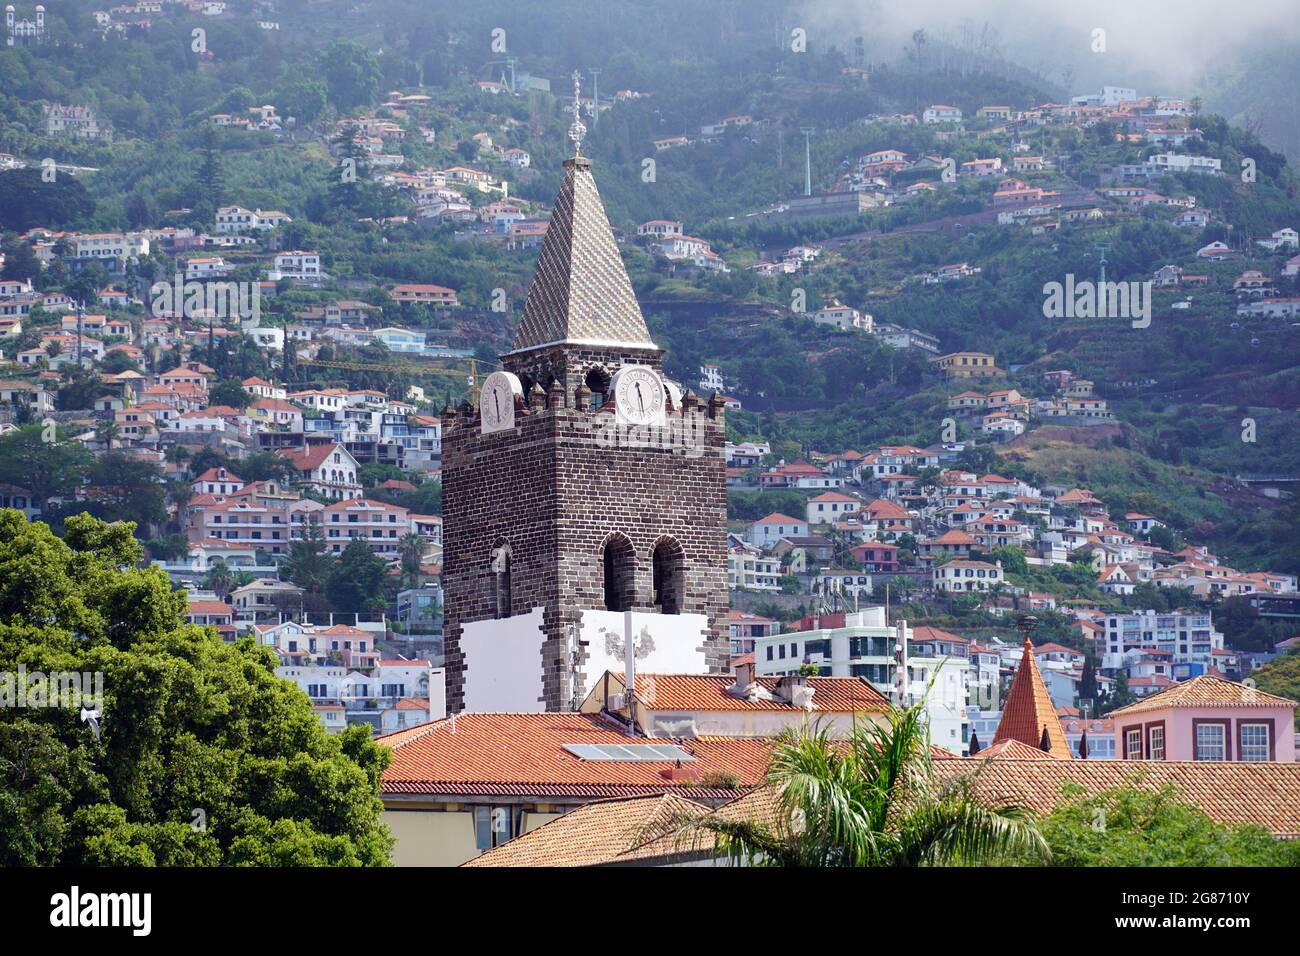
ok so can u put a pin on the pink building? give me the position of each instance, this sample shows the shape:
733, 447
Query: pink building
1207, 718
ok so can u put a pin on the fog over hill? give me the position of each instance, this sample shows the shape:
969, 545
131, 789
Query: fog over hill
1239, 58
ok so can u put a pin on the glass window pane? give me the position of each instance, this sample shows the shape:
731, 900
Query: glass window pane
1210, 742
1254, 742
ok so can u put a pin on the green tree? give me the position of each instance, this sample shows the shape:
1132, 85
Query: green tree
410, 548
127, 489
351, 73
358, 580
20, 261
220, 580
107, 431
230, 392
1013, 559
871, 800
27, 200
308, 565
1281, 676
1120, 695
209, 183
1131, 827
203, 755
302, 98
47, 469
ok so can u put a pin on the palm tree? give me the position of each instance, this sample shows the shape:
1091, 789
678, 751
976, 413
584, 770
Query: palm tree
220, 580
870, 800
107, 431
411, 549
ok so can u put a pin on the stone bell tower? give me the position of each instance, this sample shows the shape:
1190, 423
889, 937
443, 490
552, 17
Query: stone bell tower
584, 486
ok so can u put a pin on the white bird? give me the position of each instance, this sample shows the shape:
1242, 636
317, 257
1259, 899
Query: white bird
91, 717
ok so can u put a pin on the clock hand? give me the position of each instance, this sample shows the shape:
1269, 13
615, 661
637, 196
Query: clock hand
496, 403
639, 400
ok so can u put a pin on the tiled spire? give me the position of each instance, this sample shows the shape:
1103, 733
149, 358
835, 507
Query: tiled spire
1028, 712
580, 294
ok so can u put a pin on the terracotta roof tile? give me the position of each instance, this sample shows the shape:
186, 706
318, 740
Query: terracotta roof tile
1205, 692
707, 692
1229, 792
596, 833
523, 754
1029, 709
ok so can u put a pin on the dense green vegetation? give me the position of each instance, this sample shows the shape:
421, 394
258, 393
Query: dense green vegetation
1131, 827
1281, 677
203, 757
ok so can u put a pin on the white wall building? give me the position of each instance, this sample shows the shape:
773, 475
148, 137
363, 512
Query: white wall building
865, 646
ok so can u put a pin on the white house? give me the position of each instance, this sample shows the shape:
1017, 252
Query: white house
297, 265
940, 113
768, 531
842, 316
962, 574
1281, 239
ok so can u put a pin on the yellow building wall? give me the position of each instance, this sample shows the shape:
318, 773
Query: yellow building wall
441, 837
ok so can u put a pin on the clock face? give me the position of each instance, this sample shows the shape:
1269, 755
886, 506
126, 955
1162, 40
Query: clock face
497, 401
639, 395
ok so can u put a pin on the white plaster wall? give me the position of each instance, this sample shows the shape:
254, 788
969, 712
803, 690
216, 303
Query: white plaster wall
675, 646
503, 664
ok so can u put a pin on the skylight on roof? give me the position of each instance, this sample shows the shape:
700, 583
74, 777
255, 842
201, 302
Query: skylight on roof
633, 753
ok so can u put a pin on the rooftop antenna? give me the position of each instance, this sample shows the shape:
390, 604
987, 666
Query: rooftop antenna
629, 670
901, 682
576, 129
807, 159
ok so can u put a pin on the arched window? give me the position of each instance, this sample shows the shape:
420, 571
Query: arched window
598, 382
620, 574
501, 580
669, 576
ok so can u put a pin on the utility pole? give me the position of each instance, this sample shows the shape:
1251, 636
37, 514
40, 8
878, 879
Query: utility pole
81, 314
595, 96
1101, 253
902, 685
807, 159
473, 378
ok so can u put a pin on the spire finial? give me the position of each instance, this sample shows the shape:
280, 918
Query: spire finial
576, 129
1026, 624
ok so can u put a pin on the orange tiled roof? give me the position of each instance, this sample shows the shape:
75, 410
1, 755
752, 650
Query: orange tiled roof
924, 633
601, 832
523, 754
1229, 792
708, 692
1029, 709
1205, 691
640, 830
1012, 749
